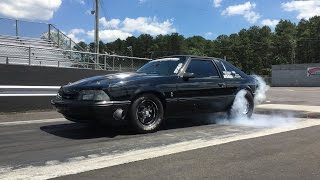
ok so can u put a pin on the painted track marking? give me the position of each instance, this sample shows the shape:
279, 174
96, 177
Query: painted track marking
32, 122
84, 164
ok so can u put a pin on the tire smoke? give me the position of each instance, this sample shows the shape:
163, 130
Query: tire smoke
238, 117
239, 105
261, 91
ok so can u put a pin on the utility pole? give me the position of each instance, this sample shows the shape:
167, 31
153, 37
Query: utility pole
96, 37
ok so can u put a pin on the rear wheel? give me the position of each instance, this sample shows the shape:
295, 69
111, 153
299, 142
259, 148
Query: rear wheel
243, 105
146, 113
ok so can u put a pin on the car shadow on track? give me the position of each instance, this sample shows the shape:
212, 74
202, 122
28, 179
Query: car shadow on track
119, 128
86, 131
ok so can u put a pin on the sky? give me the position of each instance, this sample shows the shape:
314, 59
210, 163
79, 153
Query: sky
124, 18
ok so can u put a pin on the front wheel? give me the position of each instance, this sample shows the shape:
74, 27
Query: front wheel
243, 105
146, 113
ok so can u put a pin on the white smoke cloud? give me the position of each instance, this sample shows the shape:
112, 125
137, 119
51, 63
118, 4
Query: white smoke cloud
239, 118
261, 91
260, 121
240, 104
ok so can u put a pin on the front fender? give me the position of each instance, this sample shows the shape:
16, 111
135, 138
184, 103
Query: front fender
147, 89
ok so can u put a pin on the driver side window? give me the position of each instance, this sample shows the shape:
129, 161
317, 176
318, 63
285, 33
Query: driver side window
202, 68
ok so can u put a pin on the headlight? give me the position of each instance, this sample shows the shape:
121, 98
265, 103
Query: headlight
93, 95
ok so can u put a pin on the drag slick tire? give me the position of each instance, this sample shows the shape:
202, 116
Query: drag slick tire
247, 107
146, 113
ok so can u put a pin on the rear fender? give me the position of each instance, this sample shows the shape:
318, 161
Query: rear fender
246, 87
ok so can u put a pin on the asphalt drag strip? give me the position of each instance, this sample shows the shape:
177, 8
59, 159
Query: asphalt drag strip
55, 149
293, 155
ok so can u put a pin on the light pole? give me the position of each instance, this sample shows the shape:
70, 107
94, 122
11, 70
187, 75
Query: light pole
96, 31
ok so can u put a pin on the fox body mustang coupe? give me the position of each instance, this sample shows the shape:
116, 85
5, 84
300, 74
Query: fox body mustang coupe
162, 88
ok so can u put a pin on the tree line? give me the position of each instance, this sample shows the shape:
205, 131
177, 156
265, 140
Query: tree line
254, 50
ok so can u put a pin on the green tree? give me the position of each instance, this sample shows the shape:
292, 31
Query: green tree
82, 45
284, 42
308, 40
198, 45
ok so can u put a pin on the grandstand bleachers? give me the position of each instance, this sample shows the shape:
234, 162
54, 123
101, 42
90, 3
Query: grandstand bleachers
42, 52
51, 47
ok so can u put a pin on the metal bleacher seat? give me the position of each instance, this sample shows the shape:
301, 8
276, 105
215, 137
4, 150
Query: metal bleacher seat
42, 52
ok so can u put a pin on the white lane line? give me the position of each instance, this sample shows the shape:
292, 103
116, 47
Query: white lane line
52, 170
311, 89
28, 95
32, 122
28, 87
290, 107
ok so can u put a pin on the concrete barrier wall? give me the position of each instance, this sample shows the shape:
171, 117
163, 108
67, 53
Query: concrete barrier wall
43, 76
24, 104
294, 75
37, 76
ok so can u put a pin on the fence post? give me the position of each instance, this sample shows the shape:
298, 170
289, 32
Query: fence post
88, 63
131, 63
29, 52
58, 63
58, 38
113, 63
70, 48
7, 60
86, 60
97, 62
49, 31
17, 33
105, 62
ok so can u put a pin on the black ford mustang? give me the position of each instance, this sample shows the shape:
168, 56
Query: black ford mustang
171, 86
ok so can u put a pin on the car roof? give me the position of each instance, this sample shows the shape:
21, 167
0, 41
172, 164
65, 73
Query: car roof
191, 56
167, 59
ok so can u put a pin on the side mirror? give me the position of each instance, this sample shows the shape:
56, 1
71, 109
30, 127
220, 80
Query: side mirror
187, 76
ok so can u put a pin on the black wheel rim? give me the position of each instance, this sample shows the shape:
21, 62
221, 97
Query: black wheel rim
147, 112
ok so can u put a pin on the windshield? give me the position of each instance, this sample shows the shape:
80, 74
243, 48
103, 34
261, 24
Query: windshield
167, 66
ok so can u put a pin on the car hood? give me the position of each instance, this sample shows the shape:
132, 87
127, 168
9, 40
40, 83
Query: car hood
104, 81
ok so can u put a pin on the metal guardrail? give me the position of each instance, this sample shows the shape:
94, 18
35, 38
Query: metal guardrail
46, 56
18, 91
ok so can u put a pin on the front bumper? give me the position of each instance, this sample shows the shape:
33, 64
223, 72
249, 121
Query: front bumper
89, 111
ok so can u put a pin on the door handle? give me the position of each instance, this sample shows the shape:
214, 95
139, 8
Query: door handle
222, 84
